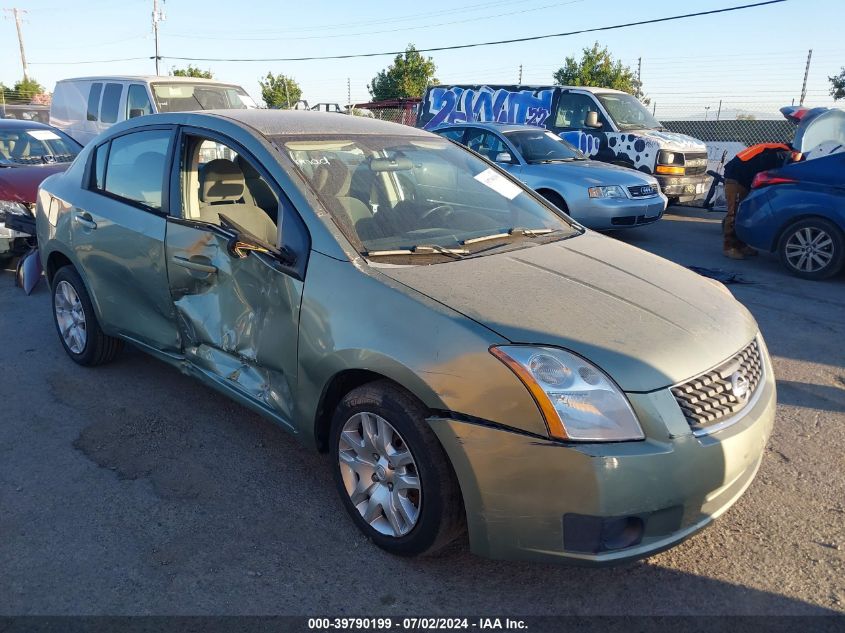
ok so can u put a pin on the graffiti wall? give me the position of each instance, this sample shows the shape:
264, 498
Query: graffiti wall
501, 104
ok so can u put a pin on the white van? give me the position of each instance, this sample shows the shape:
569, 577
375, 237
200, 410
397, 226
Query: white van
84, 107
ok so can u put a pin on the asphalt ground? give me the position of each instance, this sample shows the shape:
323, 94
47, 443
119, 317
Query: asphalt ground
131, 489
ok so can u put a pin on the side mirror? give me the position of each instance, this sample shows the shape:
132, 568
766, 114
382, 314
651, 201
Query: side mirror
592, 119
504, 157
242, 243
136, 112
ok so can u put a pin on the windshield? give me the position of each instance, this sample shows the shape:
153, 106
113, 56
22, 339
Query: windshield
628, 112
542, 146
37, 146
404, 193
184, 97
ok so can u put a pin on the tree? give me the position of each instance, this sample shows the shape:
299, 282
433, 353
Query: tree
837, 85
193, 71
598, 69
408, 76
23, 91
280, 91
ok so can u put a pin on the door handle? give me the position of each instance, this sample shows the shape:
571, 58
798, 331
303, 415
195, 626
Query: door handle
83, 218
192, 265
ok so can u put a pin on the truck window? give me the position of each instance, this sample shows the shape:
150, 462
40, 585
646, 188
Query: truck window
111, 103
138, 101
572, 108
94, 101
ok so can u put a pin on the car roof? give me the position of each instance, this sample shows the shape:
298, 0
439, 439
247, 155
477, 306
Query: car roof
517, 87
23, 124
148, 78
294, 122
490, 125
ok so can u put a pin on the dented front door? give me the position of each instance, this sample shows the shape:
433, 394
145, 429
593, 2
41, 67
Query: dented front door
239, 318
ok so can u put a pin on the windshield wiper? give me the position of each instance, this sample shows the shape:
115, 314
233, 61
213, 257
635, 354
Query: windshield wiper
421, 249
514, 232
551, 160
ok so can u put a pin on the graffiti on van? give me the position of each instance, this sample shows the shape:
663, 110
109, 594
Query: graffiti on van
587, 143
501, 105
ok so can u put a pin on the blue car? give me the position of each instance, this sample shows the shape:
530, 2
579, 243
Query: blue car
798, 211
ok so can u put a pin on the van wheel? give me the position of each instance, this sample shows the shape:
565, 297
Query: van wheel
77, 325
813, 249
391, 472
555, 198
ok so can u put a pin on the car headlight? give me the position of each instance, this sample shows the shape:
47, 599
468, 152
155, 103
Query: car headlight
609, 191
577, 399
12, 208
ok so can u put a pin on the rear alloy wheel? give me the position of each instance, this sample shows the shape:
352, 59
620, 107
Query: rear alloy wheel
812, 249
77, 325
392, 473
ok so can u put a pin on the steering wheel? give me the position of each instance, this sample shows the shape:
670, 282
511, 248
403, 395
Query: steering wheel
445, 209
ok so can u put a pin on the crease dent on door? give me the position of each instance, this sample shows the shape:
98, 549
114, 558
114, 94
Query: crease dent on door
233, 324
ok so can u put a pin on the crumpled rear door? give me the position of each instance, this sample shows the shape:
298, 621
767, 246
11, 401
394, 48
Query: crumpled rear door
239, 318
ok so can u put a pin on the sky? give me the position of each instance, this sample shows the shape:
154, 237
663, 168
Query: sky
752, 60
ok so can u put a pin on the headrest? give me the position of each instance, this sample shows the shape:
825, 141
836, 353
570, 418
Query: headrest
330, 180
221, 181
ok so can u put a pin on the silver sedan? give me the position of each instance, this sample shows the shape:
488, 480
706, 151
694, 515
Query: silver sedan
598, 195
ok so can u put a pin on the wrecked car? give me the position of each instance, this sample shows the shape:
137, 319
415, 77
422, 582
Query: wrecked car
468, 355
29, 152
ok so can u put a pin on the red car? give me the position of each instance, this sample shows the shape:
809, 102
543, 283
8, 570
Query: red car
29, 152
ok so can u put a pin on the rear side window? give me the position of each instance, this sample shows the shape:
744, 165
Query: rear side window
135, 166
138, 101
94, 101
111, 103
454, 135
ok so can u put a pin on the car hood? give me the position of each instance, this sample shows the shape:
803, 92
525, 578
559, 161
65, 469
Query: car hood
588, 173
647, 322
673, 141
21, 183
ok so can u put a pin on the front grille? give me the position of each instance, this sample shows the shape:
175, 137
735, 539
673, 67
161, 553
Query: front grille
721, 393
643, 191
699, 166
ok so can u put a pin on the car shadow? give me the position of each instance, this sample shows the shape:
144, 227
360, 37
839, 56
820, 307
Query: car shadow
813, 396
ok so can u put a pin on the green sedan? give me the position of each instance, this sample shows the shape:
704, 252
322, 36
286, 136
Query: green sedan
470, 357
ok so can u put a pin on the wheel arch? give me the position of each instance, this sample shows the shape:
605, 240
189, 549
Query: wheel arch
543, 189
59, 257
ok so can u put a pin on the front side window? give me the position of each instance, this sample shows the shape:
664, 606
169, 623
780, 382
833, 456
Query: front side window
135, 168
111, 103
185, 96
219, 185
94, 101
542, 146
403, 193
572, 109
628, 112
138, 101
453, 134
486, 143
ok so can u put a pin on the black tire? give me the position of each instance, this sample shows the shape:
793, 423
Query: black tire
555, 198
441, 517
99, 348
836, 249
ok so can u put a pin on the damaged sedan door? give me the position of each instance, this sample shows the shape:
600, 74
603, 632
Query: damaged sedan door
236, 261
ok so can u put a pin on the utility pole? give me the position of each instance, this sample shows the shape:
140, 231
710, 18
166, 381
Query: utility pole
349, 96
158, 16
17, 14
640, 70
719, 111
287, 95
806, 73
520, 74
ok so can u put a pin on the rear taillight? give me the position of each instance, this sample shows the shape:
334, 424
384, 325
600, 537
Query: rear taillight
766, 178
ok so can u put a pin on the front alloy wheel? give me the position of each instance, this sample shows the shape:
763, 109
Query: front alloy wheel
380, 474
70, 317
391, 471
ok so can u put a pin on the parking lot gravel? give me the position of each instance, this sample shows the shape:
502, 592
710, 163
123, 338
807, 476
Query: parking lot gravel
131, 489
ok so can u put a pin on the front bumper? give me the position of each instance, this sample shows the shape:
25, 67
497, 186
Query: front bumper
684, 188
619, 213
520, 491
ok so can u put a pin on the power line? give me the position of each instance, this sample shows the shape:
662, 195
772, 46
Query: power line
478, 44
